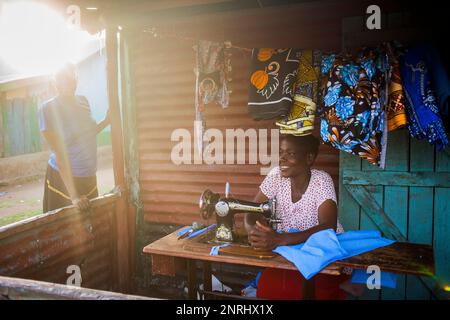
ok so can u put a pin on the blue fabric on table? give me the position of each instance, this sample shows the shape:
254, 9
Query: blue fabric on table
325, 247
215, 250
388, 279
201, 231
357, 242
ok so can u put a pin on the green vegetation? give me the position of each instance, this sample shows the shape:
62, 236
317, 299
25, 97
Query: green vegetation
19, 216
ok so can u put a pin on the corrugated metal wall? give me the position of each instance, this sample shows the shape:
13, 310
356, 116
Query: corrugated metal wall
43, 248
164, 85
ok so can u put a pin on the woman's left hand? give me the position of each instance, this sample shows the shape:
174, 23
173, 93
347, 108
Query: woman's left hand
263, 237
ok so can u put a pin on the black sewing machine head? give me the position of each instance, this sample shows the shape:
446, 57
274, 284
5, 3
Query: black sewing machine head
224, 208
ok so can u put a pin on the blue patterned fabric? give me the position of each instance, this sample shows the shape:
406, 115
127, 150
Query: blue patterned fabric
422, 107
351, 109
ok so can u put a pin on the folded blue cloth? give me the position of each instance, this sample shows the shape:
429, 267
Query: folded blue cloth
215, 250
201, 231
387, 279
325, 247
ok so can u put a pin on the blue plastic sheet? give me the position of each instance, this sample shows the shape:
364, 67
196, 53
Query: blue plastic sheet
387, 279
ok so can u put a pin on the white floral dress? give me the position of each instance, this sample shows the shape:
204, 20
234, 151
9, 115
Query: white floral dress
303, 214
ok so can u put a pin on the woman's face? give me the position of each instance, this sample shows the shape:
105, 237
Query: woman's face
293, 161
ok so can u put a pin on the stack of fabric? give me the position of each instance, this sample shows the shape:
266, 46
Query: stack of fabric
359, 98
300, 120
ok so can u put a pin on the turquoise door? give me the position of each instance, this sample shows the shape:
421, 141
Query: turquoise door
407, 201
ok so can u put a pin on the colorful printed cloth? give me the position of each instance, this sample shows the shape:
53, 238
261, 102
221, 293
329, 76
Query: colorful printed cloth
300, 120
395, 108
423, 111
271, 82
351, 109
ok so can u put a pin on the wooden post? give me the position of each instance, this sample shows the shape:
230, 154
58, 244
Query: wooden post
2, 105
123, 248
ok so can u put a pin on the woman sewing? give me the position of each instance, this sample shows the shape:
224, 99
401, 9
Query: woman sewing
306, 202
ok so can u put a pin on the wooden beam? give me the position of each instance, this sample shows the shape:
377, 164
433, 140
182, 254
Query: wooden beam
131, 156
397, 178
123, 248
375, 212
23, 289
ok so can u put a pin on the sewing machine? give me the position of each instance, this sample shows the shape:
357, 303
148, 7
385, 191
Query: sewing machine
225, 208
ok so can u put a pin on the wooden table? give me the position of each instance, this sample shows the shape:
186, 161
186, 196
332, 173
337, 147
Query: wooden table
400, 257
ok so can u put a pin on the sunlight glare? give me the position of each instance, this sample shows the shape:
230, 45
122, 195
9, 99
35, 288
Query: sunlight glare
36, 40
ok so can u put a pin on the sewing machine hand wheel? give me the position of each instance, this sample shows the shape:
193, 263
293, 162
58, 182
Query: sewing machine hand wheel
206, 203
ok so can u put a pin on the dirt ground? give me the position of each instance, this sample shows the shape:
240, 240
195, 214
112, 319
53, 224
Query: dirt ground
24, 200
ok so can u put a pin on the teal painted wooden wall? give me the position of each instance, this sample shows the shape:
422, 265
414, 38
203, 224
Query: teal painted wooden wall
20, 126
414, 192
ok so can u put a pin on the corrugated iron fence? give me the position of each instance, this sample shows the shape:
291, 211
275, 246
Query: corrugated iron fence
44, 247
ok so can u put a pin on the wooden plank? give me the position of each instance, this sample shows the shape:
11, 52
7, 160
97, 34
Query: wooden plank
397, 178
367, 223
371, 206
163, 265
34, 126
441, 235
420, 219
27, 125
7, 114
122, 239
192, 279
16, 128
24, 289
399, 257
396, 199
348, 210
131, 157
2, 128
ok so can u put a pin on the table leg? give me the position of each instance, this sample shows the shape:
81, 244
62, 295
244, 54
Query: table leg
192, 279
207, 282
308, 289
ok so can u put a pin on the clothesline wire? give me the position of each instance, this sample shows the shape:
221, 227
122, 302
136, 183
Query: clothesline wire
155, 34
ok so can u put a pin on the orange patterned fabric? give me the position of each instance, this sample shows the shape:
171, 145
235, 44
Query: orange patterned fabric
396, 111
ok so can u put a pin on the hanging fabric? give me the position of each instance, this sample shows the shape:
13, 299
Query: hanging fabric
423, 110
211, 83
300, 120
440, 82
213, 63
395, 108
273, 73
352, 105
